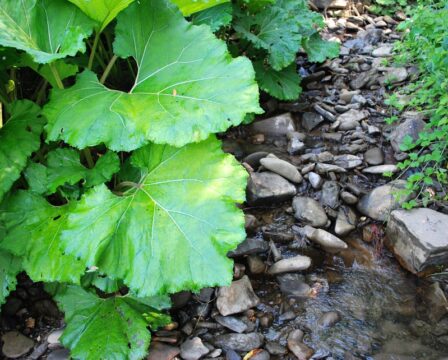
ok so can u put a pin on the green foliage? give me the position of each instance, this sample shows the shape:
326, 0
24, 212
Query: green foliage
172, 100
33, 232
102, 11
19, 138
10, 266
118, 324
45, 29
164, 230
215, 17
63, 166
389, 7
271, 34
283, 84
423, 45
107, 230
188, 7
126, 196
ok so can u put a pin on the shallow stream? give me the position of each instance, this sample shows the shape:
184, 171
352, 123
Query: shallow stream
378, 302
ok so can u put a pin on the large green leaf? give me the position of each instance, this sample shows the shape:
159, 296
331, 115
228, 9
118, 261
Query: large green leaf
64, 166
189, 7
19, 138
33, 229
187, 87
102, 11
45, 29
215, 17
318, 49
10, 266
173, 229
114, 328
278, 29
283, 84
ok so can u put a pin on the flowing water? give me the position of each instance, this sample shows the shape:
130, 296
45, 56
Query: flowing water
378, 303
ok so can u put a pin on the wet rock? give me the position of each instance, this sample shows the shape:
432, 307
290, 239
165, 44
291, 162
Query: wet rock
383, 51
322, 168
441, 328
215, 354
362, 79
315, 180
283, 168
249, 246
436, 302
38, 351
250, 223
380, 202
347, 161
296, 263
238, 271
267, 187
325, 157
64, 354
236, 298
359, 99
256, 264
395, 75
325, 113
293, 285
380, 169
347, 96
419, 238
193, 349
295, 146
232, 323
261, 354
161, 351
239, 342
53, 338
47, 308
410, 127
11, 306
296, 135
350, 120
330, 4
329, 319
330, 194
348, 198
15, 344
327, 241
374, 156
254, 159
275, 126
309, 211
275, 348
345, 222
311, 120
297, 347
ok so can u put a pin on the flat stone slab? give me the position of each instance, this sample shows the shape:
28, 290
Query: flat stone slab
418, 238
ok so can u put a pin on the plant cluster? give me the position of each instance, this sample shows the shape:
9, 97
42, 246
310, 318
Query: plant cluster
389, 7
271, 33
114, 190
426, 46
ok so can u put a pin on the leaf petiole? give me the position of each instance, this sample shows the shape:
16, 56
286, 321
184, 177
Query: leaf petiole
55, 73
108, 69
92, 52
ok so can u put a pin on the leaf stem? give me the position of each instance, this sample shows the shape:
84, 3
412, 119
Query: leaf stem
88, 157
41, 92
92, 52
108, 69
55, 73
